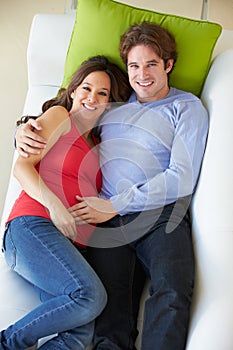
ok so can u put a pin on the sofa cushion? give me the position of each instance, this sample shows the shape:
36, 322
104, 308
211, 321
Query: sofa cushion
100, 23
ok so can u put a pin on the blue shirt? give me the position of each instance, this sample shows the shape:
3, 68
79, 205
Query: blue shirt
151, 153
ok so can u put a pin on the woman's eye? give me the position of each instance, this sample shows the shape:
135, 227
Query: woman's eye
86, 88
102, 93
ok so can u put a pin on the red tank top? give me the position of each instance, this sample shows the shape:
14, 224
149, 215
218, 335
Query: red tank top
70, 168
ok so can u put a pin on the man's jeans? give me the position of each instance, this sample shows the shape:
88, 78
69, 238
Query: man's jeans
71, 293
166, 253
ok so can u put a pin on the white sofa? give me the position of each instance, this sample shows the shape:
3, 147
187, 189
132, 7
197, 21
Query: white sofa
211, 326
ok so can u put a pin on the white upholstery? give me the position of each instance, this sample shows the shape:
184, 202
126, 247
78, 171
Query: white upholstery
212, 207
48, 43
212, 210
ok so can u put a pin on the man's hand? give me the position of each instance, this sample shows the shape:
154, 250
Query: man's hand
92, 210
27, 140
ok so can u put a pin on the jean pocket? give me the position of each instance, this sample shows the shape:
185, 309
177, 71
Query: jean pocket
8, 248
4, 238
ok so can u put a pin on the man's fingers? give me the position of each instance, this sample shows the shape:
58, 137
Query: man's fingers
82, 213
80, 199
34, 124
80, 222
32, 139
26, 150
22, 153
76, 207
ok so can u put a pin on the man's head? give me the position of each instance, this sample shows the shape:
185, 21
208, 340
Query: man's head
149, 52
152, 35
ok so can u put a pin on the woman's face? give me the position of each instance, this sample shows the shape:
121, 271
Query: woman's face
91, 97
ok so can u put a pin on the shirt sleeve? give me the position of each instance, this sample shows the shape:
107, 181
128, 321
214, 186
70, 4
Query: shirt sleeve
179, 179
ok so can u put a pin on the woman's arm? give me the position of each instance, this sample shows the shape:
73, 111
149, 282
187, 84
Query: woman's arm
54, 123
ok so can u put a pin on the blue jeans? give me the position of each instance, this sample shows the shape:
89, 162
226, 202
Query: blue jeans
71, 292
166, 254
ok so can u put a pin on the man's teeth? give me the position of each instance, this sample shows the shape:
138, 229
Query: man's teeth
145, 84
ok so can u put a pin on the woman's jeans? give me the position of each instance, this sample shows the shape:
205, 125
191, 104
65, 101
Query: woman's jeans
71, 293
165, 251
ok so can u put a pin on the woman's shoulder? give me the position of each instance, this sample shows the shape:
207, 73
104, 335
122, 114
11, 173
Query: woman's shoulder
56, 117
59, 111
55, 114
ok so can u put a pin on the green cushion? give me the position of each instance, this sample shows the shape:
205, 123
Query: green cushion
100, 23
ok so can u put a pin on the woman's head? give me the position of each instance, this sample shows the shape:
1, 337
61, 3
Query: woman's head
91, 97
119, 86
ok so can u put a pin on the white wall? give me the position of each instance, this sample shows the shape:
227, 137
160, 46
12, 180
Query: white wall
188, 8
15, 21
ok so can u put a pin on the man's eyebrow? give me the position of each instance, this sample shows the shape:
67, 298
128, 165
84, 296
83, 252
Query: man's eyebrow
150, 61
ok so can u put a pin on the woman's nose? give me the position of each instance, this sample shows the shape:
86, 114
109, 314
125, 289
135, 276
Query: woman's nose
92, 97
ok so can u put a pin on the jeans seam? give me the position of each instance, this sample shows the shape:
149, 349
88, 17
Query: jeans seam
131, 301
13, 248
65, 267
124, 231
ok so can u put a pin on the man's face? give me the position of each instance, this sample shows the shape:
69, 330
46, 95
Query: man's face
147, 74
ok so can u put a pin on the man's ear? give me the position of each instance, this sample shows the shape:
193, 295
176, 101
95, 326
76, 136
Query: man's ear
169, 65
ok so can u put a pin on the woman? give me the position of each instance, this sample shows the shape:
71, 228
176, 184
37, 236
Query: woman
40, 230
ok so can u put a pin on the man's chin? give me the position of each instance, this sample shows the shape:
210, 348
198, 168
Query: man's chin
144, 97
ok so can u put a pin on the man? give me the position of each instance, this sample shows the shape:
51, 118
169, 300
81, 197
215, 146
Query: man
150, 153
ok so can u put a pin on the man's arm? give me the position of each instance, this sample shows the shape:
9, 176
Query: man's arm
177, 181
27, 141
180, 177
92, 210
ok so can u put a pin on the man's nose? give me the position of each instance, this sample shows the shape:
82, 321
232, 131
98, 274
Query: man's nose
143, 73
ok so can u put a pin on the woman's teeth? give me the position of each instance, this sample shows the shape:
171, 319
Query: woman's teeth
90, 108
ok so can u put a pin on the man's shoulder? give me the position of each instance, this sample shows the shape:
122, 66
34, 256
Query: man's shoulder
182, 94
187, 101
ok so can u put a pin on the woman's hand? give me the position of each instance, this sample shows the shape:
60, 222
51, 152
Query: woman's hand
63, 220
92, 210
27, 140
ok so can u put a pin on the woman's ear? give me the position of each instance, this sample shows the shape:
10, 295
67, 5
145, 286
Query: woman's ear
108, 106
72, 95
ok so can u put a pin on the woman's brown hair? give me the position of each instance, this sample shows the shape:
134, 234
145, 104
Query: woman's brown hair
120, 87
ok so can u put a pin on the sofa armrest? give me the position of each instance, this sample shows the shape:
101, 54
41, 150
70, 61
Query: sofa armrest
47, 47
212, 218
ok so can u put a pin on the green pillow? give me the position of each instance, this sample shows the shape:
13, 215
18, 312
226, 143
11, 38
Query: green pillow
100, 23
